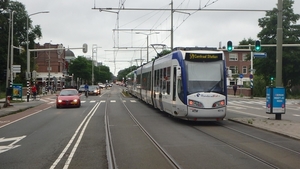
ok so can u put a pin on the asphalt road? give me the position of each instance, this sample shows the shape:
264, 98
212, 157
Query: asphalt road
79, 138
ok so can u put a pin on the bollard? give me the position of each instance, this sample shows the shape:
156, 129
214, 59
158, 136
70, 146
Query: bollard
8, 100
7, 103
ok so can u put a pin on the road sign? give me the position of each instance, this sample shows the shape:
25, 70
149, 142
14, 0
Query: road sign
275, 100
251, 76
16, 68
260, 55
241, 75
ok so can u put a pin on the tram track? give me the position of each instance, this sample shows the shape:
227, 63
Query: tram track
235, 143
253, 152
112, 164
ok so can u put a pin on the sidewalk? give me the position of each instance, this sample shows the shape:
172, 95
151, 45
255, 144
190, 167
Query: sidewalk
283, 127
16, 107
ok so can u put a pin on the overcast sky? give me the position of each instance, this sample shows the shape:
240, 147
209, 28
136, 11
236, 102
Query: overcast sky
74, 22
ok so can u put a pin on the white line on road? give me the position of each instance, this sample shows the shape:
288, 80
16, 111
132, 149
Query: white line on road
90, 114
250, 114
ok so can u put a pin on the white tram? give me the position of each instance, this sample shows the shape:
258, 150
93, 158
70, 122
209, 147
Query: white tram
188, 84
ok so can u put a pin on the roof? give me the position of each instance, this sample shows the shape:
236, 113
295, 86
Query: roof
69, 53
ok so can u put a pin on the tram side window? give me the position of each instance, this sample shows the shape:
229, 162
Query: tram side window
148, 82
180, 89
167, 79
156, 80
138, 81
144, 81
160, 80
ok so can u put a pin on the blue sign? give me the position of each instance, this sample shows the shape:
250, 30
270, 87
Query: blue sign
241, 75
275, 100
251, 76
17, 90
259, 55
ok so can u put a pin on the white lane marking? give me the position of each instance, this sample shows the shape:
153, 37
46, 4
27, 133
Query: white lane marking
10, 146
250, 114
112, 101
236, 107
133, 101
239, 105
92, 101
79, 139
25, 117
73, 137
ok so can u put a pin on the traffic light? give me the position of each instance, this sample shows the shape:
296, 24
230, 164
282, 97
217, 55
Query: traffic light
257, 46
84, 48
229, 46
272, 80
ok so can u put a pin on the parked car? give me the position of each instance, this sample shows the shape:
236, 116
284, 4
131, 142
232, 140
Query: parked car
94, 90
81, 89
68, 98
101, 85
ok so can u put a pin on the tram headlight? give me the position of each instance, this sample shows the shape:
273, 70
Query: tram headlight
220, 103
194, 103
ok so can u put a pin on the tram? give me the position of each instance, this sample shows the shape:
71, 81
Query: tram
188, 83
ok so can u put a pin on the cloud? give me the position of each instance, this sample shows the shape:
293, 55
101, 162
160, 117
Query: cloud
73, 23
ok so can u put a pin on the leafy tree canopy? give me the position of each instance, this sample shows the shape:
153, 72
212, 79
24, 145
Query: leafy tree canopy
20, 16
82, 69
291, 35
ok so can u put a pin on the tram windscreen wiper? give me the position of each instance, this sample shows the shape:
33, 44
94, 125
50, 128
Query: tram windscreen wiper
216, 88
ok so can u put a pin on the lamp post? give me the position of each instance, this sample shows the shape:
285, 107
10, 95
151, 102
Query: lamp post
147, 41
49, 68
28, 54
12, 49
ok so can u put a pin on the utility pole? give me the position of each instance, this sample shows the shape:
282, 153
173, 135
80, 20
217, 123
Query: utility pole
49, 68
279, 51
279, 46
110, 9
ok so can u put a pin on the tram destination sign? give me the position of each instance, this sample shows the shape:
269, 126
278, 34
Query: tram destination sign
202, 57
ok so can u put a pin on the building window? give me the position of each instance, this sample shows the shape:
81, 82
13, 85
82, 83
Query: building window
233, 69
244, 69
245, 57
233, 57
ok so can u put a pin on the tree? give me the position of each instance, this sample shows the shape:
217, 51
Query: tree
123, 73
291, 35
81, 68
19, 35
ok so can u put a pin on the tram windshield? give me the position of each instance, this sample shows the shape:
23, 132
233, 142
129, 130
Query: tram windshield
205, 77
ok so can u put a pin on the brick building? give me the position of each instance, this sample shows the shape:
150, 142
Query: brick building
50, 63
239, 63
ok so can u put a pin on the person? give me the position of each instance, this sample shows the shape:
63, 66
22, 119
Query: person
234, 89
86, 89
34, 90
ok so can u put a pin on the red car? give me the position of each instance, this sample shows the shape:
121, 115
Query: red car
68, 98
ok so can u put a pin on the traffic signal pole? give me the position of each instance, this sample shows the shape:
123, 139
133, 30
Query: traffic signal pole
279, 51
251, 73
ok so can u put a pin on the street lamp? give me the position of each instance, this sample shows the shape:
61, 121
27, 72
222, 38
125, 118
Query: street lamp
12, 49
147, 41
28, 54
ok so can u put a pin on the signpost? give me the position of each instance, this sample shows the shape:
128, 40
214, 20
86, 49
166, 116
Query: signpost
275, 101
259, 55
17, 91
